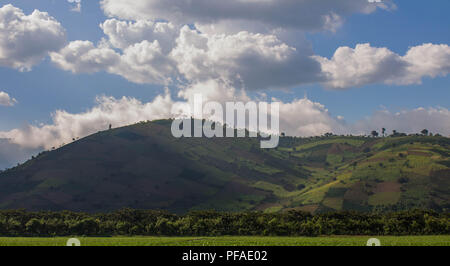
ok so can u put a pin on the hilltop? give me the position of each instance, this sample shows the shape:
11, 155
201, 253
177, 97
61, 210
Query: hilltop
143, 167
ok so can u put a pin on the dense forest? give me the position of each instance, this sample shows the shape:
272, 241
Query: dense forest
15, 223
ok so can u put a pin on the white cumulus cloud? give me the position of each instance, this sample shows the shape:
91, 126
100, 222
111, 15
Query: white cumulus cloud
157, 47
160, 53
252, 61
123, 34
146, 62
6, 100
364, 64
142, 62
26, 39
84, 57
271, 14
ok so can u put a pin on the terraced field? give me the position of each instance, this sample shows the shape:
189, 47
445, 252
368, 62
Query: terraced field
350, 173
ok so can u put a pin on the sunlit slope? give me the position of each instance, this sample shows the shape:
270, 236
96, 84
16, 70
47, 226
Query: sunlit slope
142, 166
374, 174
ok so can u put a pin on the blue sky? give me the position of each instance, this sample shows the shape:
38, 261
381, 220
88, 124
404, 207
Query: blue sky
49, 86
413, 23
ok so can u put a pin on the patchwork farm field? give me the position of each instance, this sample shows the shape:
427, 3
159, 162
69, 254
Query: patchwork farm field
233, 241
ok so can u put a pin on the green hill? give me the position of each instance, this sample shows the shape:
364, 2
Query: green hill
143, 167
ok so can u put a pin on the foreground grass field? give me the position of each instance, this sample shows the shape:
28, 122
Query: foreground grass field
232, 241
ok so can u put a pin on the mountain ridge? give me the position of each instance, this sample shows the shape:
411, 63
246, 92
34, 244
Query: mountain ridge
143, 167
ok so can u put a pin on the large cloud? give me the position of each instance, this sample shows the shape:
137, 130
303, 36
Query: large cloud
142, 62
144, 51
427, 60
138, 51
365, 65
147, 50
6, 100
252, 61
304, 117
160, 53
84, 57
26, 39
272, 14
146, 62
123, 34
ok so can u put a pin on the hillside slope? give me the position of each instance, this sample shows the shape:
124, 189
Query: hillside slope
142, 166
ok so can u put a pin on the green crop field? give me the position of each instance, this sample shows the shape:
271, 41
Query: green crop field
233, 241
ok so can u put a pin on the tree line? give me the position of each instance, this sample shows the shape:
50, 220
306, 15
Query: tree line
19, 223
